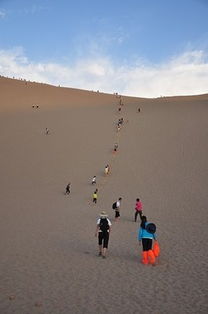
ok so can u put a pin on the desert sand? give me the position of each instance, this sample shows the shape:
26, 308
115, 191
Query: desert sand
49, 261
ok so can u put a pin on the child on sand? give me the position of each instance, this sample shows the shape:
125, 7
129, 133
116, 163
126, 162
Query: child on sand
95, 196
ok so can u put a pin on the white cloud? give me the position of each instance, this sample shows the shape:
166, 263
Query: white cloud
2, 14
186, 74
31, 9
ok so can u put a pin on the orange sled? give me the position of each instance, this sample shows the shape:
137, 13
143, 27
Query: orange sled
156, 249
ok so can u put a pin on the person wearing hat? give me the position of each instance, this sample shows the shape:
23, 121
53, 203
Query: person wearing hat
146, 234
103, 229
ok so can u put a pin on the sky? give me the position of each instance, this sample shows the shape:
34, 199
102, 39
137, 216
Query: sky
144, 48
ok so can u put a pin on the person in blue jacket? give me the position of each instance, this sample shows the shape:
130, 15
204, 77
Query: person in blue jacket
146, 234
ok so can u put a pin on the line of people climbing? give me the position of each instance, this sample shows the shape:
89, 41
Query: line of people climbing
146, 231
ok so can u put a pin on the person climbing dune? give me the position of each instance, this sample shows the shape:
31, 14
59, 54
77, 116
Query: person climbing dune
115, 147
116, 206
138, 209
103, 229
68, 189
95, 196
107, 170
146, 234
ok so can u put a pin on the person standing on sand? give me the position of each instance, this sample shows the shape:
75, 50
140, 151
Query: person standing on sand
68, 188
95, 196
94, 180
118, 128
103, 229
47, 131
146, 234
115, 147
138, 209
120, 121
107, 170
117, 209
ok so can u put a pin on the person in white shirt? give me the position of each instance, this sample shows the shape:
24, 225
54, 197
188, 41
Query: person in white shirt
103, 229
117, 209
107, 169
115, 147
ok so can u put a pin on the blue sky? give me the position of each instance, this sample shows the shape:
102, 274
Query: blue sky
136, 47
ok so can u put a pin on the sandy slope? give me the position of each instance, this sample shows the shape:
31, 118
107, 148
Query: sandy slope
49, 259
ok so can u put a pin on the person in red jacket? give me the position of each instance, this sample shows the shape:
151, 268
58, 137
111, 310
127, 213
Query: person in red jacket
138, 209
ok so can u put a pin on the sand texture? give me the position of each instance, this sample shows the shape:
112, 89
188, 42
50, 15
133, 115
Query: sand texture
49, 261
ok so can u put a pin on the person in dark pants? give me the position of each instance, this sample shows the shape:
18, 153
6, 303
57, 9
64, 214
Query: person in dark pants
94, 180
138, 209
68, 188
103, 229
146, 235
95, 196
117, 209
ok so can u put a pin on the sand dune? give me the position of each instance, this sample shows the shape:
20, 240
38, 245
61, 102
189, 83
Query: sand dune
49, 261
